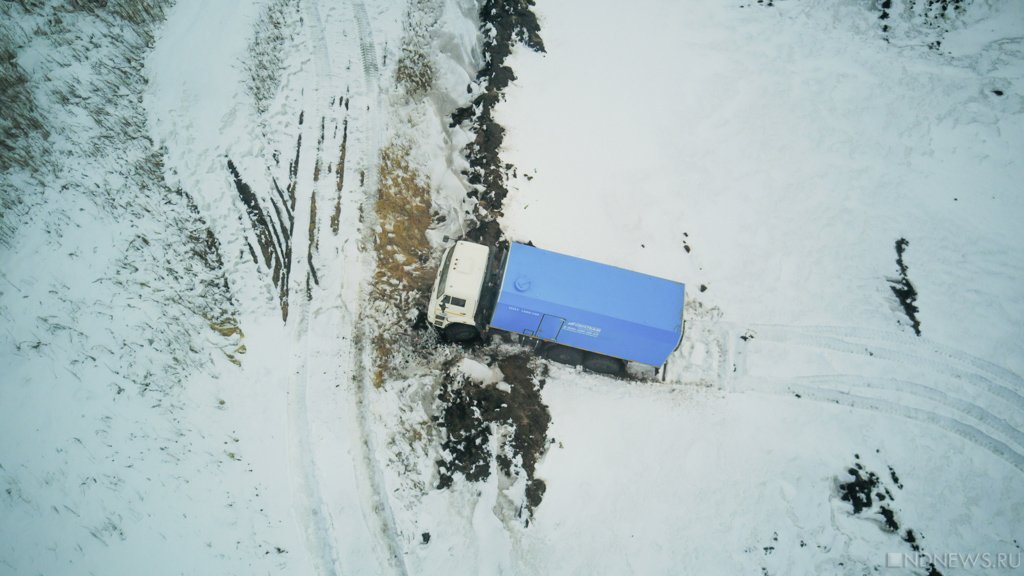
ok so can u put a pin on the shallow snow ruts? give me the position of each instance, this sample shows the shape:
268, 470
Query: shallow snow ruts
973, 398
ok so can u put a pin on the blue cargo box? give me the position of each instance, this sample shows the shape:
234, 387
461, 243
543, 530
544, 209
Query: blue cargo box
588, 305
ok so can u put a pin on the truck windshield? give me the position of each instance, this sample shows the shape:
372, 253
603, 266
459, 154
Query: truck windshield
444, 271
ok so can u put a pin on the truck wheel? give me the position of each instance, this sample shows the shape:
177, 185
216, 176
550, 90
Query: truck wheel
460, 332
603, 364
564, 355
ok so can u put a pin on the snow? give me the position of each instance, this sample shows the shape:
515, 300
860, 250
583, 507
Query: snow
788, 148
722, 473
479, 372
158, 413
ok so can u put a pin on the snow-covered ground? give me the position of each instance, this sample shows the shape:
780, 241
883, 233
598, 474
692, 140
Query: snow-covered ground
775, 155
191, 301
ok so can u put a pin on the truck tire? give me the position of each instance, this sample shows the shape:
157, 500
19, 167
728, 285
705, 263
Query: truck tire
564, 355
603, 364
460, 332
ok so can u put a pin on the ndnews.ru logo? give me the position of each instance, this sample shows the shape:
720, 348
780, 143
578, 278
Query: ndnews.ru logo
980, 560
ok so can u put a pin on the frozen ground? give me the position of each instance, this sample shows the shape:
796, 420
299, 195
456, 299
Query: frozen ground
212, 248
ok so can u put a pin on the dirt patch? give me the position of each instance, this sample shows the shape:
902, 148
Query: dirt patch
467, 411
904, 290
339, 175
272, 230
868, 493
504, 23
488, 233
858, 491
931, 18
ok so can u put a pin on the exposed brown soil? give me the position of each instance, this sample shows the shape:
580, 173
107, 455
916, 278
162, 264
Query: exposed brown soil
467, 411
504, 23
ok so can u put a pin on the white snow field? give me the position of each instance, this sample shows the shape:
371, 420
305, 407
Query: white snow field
189, 235
789, 148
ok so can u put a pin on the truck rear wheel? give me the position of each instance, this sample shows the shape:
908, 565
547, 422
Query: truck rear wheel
603, 364
564, 355
460, 332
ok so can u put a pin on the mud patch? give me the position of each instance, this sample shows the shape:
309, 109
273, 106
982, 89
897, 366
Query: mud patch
926, 21
467, 411
904, 290
339, 174
272, 231
311, 248
858, 491
504, 24
870, 496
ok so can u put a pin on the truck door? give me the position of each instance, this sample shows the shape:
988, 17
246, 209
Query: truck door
550, 326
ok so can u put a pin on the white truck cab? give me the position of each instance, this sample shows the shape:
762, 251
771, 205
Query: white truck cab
457, 289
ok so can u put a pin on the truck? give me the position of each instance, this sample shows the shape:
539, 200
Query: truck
571, 310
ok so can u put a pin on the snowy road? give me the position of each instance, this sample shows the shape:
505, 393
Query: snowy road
331, 472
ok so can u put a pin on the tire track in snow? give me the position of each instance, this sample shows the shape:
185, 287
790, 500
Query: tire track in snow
978, 413
315, 30
313, 513
310, 506
373, 488
966, 431
965, 412
955, 408
361, 373
370, 505
880, 345
367, 50
899, 340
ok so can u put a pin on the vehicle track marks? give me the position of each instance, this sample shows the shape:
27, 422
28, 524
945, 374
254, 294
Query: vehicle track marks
847, 382
923, 347
318, 505
966, 431
973, 398
367, 49
377, 495
879, 345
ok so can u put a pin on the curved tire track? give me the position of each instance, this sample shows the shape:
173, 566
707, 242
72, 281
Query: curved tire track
966, 431
955, 407
968, 411
878, 345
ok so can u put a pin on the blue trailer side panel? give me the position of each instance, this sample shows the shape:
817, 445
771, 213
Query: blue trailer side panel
588, 305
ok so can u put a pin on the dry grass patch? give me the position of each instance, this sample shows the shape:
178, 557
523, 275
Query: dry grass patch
229, 329
403, 277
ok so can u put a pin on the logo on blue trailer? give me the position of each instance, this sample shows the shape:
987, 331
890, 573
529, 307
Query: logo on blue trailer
582, 329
